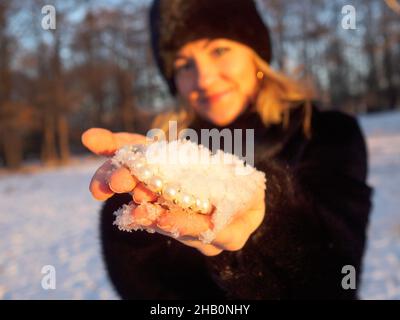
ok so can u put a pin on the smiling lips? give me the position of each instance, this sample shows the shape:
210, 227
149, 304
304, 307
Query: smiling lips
212, 98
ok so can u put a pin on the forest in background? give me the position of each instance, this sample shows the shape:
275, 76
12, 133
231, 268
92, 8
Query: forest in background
96, 68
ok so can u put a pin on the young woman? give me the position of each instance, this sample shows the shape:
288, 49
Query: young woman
297, 236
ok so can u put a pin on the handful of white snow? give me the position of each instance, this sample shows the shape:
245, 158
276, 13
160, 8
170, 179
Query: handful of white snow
187, 175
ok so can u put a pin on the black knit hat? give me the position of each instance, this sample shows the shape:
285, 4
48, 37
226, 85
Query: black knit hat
176, 22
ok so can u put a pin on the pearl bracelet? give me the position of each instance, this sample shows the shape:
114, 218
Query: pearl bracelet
139, 167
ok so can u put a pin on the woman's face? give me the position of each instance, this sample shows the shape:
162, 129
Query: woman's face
217, 77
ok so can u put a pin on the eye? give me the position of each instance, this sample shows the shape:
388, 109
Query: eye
183, 66
219, 51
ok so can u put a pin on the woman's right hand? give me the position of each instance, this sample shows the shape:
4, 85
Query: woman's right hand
108, 180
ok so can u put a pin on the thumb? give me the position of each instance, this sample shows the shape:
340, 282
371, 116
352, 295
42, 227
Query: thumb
104, 142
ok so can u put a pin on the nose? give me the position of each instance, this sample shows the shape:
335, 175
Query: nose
206, 74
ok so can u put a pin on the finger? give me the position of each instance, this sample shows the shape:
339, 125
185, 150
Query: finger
99, 141
98, 185
123, 138
104, 142
122, 181
142, 194
185, 223
146, 214
206, 249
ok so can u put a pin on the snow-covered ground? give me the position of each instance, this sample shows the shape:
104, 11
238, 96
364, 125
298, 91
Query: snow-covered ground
381, 276
48, 218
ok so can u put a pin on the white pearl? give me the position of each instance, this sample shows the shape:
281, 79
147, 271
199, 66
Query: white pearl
170, 192
155, 184
197, 204
205, 207
185, 200
144, 173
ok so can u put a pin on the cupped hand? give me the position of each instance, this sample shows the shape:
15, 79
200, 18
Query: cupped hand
109, 180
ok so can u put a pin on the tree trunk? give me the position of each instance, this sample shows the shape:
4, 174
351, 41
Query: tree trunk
49, 151
63, 138
12, 147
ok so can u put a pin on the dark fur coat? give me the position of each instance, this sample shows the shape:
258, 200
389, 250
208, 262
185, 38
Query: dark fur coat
317, 207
